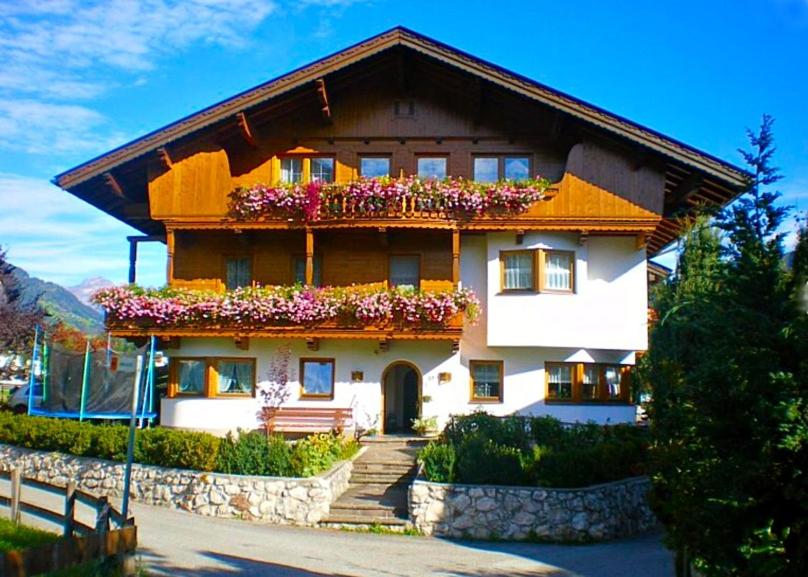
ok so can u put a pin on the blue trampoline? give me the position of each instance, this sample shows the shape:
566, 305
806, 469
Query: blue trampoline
96, 384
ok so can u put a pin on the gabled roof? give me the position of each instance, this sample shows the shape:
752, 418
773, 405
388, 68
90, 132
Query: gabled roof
725, 179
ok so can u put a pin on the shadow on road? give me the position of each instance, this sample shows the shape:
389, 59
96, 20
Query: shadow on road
643, 556
226, 566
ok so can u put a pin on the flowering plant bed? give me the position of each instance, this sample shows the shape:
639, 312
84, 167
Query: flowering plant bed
374, 197
279, 306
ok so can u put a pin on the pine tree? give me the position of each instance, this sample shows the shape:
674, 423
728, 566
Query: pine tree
727, 367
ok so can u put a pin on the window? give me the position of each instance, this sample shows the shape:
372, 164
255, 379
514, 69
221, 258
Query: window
517, 270
190, 377
291, 169
486, 381
299, 266
432, 167
590, 382
494, 168
317, 378
558, 271
238, 272
322, 169
212, 377
486, 169
374, 166
586, 383
235, 376
559, 382
405, 271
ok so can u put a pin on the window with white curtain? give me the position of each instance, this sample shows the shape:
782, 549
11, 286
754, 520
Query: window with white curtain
235, 377
558, 267
611, 378
191, 376
486, 380
559, 382
517, 270
591, 380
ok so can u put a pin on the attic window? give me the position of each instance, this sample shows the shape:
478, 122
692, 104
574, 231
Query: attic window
404, 108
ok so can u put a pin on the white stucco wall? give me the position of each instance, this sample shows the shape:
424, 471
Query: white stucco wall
523, 388
607, 311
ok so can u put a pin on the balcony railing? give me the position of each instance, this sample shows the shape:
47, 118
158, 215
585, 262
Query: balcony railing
291, 310
385, 198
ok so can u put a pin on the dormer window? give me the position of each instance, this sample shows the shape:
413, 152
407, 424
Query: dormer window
498, 167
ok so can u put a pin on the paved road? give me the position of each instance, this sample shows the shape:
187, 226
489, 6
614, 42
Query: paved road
182, 544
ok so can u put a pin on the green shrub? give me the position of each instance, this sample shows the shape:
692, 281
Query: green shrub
253, 453
316, 453
482, 448
438, 461
177, 448
481, 461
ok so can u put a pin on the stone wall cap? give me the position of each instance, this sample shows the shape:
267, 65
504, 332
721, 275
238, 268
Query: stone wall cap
420, 480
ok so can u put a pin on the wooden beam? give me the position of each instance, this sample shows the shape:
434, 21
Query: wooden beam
322, 95
640, 241
136, 211
242, 343
165, 157
309, 256
313, 344
246, 130
169, 256
690, 184
384, 345
113, 183
455, 257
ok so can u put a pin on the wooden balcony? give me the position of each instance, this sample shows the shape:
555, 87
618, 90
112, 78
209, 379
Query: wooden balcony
449, 331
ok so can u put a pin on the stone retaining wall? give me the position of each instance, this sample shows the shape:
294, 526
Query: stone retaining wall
592, 513
282, 500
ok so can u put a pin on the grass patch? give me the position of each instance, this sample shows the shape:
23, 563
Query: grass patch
378, 529
14, 537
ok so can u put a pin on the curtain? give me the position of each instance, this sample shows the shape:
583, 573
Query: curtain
404, 271
291, 170
557, 272
486, 380
612, 377
519, 271
590, 384
560, 382
239, 273
191, 376
235, 377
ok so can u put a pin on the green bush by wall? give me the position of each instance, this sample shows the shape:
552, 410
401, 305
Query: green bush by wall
250, 453
483, 449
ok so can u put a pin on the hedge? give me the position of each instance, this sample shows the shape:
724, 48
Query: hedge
249, 454
537, 451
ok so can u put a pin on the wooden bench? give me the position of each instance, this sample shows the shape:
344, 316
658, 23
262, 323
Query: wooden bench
308, 420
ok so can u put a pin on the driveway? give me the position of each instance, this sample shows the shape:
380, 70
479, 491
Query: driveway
183, 544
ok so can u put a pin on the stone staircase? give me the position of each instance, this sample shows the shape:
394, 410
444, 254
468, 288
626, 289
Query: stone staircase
377, 490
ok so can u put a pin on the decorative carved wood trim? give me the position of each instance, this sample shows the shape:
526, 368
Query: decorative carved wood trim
322, 95
313, 344
242, 343
165, 157
113, 183
246, 131
384, 345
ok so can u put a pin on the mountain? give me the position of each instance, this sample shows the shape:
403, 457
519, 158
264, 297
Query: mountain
57, 302
87, 287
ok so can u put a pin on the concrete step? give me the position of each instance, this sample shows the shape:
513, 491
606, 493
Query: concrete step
357, 523
381, 478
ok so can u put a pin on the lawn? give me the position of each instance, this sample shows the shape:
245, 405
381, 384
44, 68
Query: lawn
21, 537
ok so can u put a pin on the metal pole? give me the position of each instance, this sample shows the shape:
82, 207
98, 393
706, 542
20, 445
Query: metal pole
130, 449
149, 380
84, 378
31, 377
45, 369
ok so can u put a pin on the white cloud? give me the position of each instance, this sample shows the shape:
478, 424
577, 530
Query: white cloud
58, 237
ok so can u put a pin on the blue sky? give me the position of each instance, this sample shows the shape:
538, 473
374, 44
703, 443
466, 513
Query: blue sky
81, 77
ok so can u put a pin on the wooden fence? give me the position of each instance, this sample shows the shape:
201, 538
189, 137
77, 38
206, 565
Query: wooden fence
110, 538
